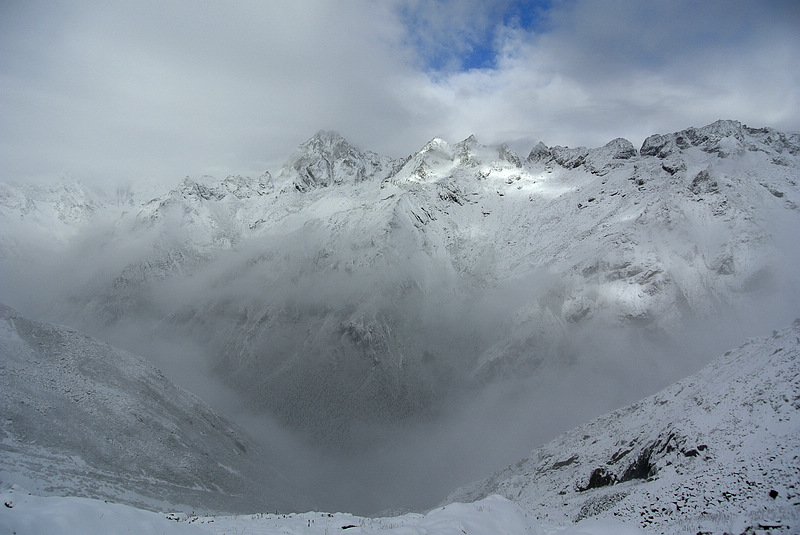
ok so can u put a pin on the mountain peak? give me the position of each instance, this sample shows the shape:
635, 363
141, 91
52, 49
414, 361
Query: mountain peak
322, 133
325, 141
471, 140
506, 153
327, 158
435, 144
621, 148
539, 153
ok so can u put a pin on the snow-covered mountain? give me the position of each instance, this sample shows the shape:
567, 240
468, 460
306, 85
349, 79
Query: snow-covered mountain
354, 297
353, 288
716, 451
81, 418
52, 214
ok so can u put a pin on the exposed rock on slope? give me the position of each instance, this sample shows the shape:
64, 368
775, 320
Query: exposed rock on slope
717, 451
83, 418
723, 138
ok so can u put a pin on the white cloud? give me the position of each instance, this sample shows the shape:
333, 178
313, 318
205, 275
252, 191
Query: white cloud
161, 90
632, 69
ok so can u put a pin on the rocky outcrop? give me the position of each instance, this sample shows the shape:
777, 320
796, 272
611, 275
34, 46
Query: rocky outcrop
327, 159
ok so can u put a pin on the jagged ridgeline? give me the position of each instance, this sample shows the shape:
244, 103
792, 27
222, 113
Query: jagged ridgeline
353, 288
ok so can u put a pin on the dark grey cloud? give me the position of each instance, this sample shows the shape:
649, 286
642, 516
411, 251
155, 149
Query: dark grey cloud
132, 90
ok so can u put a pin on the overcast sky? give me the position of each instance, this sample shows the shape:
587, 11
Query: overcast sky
109, 91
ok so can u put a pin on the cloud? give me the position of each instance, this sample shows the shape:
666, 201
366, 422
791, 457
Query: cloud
139, 90
182, 88
631, 69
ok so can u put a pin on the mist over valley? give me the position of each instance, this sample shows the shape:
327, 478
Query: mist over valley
390, 329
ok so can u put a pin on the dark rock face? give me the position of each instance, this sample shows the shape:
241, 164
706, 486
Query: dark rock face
641, 468
505, 153
599, 478
539, 153
567, 462
327, 159
569, 158
703, 183
673, 165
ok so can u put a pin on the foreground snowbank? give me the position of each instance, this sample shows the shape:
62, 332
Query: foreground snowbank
25, 514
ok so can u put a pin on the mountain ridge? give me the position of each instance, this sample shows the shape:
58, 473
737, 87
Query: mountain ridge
574, 241
331, 147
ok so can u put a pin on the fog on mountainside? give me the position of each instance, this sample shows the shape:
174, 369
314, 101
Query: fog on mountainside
392, 329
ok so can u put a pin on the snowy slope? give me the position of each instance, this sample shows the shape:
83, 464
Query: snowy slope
717, 451
32, 515
83, 418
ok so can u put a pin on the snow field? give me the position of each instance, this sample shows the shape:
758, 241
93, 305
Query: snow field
25, 514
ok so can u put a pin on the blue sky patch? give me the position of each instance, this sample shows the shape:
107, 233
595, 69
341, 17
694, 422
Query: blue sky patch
453, 35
